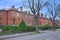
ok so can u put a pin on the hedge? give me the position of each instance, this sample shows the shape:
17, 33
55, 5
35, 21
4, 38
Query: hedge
11, 29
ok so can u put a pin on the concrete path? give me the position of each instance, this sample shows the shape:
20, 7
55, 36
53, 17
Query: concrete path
16, 35
45, 35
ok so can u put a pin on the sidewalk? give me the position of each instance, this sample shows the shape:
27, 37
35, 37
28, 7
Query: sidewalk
22, 34
16, 35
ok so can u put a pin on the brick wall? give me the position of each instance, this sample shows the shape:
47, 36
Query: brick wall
13, 17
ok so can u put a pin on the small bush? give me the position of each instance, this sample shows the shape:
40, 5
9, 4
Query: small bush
5, 28
22, 26
31, 28
10, 29
57, 27
45, 27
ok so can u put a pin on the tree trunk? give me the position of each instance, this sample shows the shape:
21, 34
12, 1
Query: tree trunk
53, 21
36, 23
54, 25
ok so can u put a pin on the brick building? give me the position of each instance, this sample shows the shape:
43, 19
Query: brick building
14, 17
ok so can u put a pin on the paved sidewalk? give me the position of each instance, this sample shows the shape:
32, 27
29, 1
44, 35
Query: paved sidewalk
16, 35
22, 34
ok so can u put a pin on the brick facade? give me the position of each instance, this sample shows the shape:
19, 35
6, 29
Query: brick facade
14, 17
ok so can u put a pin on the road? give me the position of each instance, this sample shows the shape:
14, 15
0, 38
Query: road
52, 35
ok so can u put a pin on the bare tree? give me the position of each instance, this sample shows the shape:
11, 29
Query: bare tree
58, 10
53, 11
35, 7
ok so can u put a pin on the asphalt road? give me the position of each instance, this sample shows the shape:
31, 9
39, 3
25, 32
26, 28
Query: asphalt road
52, 35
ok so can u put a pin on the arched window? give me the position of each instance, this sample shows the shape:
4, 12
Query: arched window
17, 14
32, 23
40, 23
14, 21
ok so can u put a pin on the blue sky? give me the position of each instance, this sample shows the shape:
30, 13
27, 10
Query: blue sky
17, 3
9, 3
6, 4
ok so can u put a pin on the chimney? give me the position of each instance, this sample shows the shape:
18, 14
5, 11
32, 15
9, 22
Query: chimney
41, 14
45, 16
28, 12
50, 18
13, 7
21, 9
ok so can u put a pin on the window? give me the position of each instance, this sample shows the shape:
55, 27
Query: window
40, 23
29, 16
29, 21
12, 14
48, 23
13, 21
32, 23
17, 14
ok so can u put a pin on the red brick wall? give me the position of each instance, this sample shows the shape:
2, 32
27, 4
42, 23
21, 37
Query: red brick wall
13, 17
3, 17
43, 21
